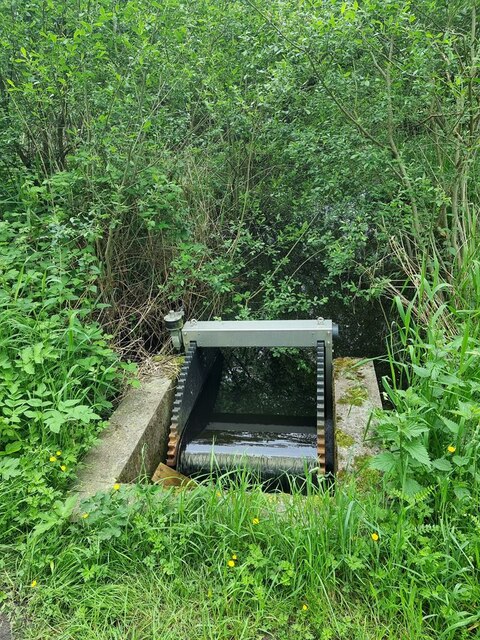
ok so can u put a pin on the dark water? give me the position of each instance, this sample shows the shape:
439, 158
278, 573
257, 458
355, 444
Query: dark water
268, 381
363, 328
363, 331
261, 413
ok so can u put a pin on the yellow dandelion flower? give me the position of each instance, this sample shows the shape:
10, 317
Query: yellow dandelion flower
231, 563
451, 449
234, 557
63, 467
255, 521
53, 459
33, 584
375, 537
116, 486
58, 453
85, 515
304, 607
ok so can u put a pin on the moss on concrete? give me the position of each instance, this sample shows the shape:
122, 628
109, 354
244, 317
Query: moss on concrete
169, 365
348, 368
355, 396
343, 439
367, 478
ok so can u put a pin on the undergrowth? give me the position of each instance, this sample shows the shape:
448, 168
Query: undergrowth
228, 561
58, 373
396, 557
249, 159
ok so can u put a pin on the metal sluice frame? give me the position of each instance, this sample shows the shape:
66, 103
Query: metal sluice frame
203, 341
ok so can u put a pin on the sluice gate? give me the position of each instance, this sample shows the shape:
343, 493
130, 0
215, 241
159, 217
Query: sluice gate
203, 437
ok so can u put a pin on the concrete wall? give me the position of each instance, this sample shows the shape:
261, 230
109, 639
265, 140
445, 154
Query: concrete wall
356, 395
135, 441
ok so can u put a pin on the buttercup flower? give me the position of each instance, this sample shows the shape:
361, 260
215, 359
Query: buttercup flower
231, 563
85, 515
304, 607
53, 459
59, 453
255, 521
63, 467
116, 486
33, 584
451, 449
234, 557
375, 537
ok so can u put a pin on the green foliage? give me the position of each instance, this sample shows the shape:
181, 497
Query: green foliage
241, 159
58, 372
193, 147
433, 433
178, 546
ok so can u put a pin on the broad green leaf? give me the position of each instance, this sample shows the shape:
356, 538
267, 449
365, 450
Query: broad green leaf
462, 492
37, 352
385, 461
451, 426
421, 371
9, 468
412, 487
42, 527
442, 464
54, 420
68, 403
418, 452
415, 430
11, 447
82, 413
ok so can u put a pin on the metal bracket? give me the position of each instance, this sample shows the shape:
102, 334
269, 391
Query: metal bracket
174, 323
262, 333
325, 425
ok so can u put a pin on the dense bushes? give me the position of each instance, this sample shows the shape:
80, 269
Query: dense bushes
215, 154
200, 147
238, 158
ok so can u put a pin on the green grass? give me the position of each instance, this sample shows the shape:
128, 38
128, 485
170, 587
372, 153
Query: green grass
178, 610
149, 563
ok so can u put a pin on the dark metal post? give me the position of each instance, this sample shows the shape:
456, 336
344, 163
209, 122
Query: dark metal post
174, 323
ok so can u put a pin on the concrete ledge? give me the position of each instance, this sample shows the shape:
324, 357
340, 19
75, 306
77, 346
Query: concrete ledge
356, 395
135, 441
5, 631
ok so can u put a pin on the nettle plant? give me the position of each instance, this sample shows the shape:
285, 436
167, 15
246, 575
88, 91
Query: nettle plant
433, 435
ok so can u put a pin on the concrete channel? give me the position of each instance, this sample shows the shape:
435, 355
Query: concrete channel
135, 442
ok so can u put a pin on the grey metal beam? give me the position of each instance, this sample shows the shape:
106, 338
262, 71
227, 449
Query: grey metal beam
259, 333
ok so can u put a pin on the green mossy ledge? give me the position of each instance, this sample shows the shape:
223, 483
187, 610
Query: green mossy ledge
356, 396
